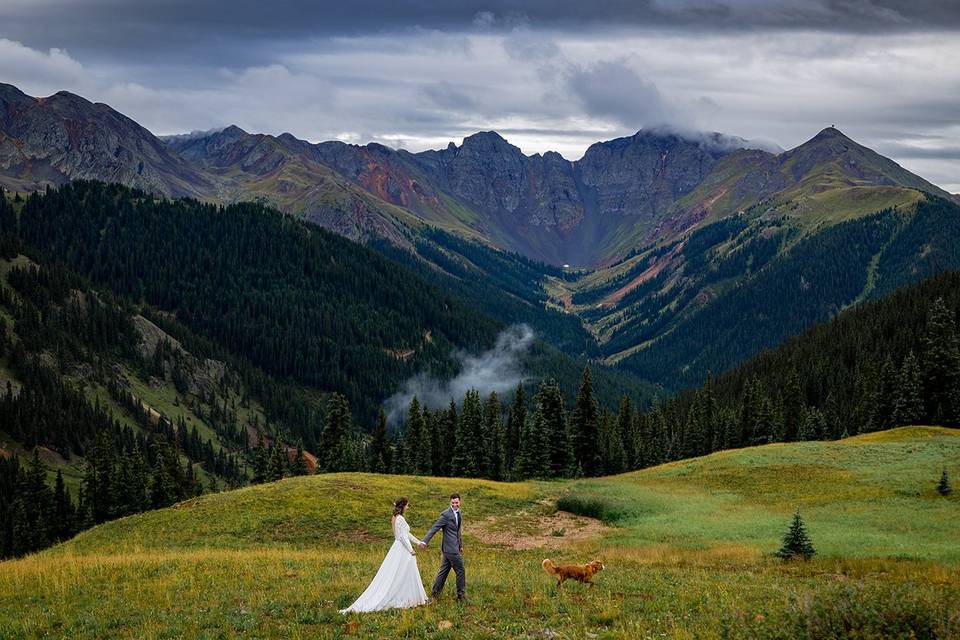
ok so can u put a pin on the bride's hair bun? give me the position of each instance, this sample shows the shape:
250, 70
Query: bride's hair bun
398, 505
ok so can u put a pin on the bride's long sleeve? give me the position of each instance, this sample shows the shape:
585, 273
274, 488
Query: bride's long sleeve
402, 533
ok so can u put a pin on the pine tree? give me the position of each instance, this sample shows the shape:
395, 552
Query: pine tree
943, 487
614, 456
515, 424
585, 429
97, 478
467, 453
139, 481
434, 420
413, 438
64, 515
424, 444
625, 426
549, 411
449, 437
941, 365
34, 521
192, 486
747, 415
793, 407
493, 446
813, 426
641, 442
278, 462
796, 542
335, 450
657, 449
164, 485
888, 393
908, 405
260, 462
533, 459
299, 465
377, 452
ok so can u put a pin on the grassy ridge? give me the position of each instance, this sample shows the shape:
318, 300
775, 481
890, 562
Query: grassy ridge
867, 496
685, 560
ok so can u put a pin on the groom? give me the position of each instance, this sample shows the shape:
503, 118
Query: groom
452, 548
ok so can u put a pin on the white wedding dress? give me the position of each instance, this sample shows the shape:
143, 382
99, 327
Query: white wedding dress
397, 583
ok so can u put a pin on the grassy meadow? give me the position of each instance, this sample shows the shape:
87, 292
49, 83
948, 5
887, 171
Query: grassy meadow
686, 546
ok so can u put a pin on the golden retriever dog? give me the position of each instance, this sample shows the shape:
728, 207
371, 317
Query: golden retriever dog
579, 572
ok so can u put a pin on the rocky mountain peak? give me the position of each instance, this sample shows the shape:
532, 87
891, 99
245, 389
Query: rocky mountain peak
487, 141
829, 133
233, 131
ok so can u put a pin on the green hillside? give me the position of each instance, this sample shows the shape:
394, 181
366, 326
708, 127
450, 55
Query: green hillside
686, 553
735, 287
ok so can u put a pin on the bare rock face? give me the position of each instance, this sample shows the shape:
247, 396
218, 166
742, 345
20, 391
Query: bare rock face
488, 172
643, 175
203, 376
65, 137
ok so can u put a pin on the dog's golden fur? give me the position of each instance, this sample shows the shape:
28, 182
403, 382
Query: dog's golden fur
579, 572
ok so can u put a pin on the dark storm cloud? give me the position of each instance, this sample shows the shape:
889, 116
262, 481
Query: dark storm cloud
615, 90
234, 31
552, 75
143, 25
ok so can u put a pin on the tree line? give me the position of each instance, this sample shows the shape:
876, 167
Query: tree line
889, 363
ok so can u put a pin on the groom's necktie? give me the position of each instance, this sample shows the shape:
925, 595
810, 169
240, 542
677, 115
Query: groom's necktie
457, 513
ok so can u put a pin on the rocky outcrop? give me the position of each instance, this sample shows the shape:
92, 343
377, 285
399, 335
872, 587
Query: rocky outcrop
65, 137
203, 376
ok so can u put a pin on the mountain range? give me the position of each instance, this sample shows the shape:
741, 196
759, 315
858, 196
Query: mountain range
686, 251
621, 194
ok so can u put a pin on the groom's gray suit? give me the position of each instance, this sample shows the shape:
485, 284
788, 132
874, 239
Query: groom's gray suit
450, 523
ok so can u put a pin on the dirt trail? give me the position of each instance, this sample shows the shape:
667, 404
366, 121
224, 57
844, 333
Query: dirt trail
552, 531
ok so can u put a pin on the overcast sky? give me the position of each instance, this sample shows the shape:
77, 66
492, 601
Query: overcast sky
546, 75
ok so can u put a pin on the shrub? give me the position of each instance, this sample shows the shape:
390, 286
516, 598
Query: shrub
592, 506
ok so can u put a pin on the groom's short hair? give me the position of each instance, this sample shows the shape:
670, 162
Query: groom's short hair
454, 495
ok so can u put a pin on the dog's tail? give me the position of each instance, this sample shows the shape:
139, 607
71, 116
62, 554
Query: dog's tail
549, 567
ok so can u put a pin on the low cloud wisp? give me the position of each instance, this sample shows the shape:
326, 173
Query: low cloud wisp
497, 369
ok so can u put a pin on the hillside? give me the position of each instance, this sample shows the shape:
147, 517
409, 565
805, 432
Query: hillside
296, 301
151, 350
684, 553
737, 286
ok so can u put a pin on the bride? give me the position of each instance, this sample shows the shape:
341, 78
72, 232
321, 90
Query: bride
397, 583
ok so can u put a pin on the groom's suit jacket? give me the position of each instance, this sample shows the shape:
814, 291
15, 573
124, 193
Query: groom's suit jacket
447, 522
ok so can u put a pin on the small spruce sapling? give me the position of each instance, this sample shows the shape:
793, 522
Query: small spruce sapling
943, 487
796, 542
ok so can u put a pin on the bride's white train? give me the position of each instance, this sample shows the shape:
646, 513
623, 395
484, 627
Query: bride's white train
397, 583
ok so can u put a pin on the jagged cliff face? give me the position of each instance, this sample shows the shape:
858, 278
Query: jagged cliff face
643, 175
64, 137
622, 194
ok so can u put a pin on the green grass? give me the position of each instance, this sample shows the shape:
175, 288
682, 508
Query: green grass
687, 556
870, 496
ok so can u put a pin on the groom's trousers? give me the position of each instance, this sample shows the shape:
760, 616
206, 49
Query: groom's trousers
451, 561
